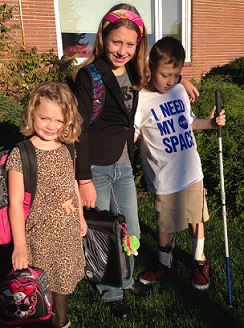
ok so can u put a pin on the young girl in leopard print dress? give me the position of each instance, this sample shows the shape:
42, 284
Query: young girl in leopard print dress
51, 238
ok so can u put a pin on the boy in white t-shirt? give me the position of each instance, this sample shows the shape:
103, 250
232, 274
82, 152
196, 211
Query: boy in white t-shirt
165, 122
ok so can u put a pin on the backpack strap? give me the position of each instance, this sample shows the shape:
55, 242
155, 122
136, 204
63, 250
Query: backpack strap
29, 164
98, 91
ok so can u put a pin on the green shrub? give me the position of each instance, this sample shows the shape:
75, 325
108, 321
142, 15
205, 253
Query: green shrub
233, 71
10, 110
236, 71
27, 69
233, 145
10, 117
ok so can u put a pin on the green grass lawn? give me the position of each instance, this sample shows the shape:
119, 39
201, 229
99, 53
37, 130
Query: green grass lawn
173, 302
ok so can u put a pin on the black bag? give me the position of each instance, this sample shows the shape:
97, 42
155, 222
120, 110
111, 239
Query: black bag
25, 299
106, 261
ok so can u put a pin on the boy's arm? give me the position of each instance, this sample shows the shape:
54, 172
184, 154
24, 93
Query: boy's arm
17, 219
211, 123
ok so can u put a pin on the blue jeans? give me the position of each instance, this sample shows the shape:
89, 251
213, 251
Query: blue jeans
116, 192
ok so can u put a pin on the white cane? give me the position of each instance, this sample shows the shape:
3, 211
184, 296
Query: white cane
218, 95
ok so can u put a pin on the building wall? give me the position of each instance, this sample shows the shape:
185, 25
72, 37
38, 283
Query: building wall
38, 28
217, 31
217, 35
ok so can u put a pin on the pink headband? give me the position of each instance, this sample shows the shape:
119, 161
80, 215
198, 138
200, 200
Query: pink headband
124, 14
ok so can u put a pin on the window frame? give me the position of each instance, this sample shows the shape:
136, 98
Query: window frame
156, 21
186, 24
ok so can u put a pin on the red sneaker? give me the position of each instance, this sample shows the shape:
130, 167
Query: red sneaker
200, 274
155, 274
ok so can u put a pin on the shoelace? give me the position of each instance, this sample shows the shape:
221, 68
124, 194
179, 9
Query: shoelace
201, 267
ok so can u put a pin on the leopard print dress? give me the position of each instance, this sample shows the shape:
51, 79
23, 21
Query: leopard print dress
53, 224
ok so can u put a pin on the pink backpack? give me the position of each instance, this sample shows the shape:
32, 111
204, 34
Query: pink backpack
25, 299
28, 157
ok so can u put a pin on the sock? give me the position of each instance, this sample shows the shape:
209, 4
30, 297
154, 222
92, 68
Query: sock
197, 249
165, 253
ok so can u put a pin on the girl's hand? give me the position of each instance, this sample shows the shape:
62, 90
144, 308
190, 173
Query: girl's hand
190, 89
83, 226
20, 258
88, 194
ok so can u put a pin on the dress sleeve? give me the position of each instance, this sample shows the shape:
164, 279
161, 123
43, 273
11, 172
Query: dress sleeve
14, 161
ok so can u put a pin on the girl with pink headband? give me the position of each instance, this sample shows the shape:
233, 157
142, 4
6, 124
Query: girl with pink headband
105, 151
124, 14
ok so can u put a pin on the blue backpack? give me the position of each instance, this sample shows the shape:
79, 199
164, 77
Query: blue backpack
98, 91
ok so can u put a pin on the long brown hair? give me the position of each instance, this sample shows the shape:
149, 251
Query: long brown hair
138, 64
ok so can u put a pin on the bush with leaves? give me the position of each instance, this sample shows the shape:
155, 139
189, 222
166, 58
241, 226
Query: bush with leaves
10, 109
233, 71
28, 68
233, 145
236, 71
18, 78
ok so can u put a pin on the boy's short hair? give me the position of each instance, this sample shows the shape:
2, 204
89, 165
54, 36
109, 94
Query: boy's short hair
167, 50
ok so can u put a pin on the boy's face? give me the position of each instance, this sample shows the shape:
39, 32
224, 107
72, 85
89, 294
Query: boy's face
165, 77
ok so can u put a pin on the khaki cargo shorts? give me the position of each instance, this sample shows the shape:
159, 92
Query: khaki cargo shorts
175, 211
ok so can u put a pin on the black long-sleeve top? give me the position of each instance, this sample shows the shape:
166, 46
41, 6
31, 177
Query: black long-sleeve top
102, 142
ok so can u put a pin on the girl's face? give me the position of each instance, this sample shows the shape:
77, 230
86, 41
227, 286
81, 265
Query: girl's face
48, 120
120, 47
165, 77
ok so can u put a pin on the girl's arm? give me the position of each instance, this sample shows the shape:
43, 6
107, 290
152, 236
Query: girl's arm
190, 89
211, 123
83, 224
17, 219
84, 92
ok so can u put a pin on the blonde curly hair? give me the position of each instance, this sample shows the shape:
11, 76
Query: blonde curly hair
60, 94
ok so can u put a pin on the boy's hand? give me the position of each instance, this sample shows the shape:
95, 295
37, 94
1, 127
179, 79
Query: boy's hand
219, 120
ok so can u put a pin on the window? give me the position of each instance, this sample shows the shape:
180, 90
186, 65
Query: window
77, 23
173, 17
